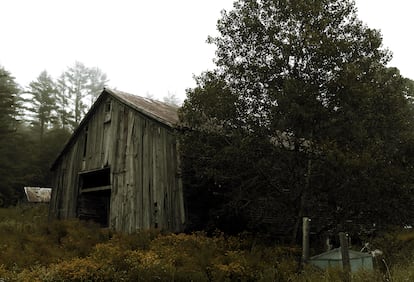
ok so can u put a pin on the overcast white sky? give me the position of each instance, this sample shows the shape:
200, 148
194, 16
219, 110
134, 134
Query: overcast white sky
148, 47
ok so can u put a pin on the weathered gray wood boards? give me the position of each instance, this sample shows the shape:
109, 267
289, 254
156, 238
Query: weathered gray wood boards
133, 140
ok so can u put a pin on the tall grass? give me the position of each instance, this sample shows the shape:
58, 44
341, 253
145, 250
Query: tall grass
33, 249
28, 239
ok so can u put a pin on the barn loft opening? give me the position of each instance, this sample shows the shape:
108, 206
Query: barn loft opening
95, 196
94, 180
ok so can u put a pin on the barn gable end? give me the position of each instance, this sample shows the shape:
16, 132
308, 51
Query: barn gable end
120, 167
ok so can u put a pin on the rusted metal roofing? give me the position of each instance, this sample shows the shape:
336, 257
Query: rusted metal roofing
38, 194
162, 112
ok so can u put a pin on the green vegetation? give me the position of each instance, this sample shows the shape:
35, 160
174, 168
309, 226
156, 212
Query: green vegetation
300, 117
33, 250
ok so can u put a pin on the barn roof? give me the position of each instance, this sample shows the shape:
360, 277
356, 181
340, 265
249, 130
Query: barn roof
163, 113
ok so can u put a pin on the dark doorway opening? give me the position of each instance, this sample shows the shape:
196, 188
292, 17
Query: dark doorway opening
95, 206
95, 196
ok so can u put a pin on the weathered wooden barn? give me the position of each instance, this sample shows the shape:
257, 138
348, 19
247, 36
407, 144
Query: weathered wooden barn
121, 166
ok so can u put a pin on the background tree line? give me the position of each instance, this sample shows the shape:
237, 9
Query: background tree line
62, 103
36, 121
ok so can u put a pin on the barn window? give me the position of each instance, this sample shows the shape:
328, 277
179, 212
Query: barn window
85, 143
107, 111
95, 196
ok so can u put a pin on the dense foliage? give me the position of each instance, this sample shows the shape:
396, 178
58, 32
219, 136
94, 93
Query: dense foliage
301, 117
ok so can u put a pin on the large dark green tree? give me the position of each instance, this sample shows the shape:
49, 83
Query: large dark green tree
300, 117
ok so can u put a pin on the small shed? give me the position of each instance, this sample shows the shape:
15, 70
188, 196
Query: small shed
38, 194
333, 258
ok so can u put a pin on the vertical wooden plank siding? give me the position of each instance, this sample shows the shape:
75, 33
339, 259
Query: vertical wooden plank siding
146, 190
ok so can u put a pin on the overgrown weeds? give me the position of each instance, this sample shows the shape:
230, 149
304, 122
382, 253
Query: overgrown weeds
32, 249
28, 239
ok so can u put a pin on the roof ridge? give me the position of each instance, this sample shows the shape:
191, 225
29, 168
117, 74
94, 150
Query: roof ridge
163, 112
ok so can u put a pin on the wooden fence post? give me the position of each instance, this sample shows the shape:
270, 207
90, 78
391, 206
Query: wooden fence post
305, 240
345, 255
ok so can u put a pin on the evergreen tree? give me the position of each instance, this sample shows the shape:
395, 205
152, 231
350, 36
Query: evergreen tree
172, 99
64, 104
78, 87
9, 91
43, 107
97, 82
75, 81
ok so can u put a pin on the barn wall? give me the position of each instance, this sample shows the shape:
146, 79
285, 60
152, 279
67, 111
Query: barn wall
66, 178
146, 191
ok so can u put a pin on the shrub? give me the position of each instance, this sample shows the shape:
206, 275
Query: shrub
397, 246
137, 241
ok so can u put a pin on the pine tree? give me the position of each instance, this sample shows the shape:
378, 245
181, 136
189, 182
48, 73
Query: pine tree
64, 104
9, 91
79, 86
43, 108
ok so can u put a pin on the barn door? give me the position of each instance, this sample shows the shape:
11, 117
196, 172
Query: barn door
95, 196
